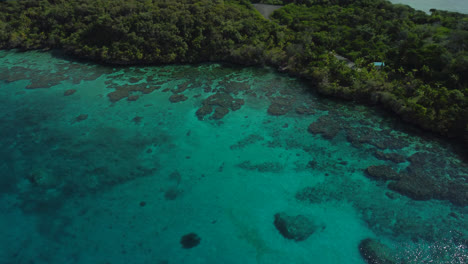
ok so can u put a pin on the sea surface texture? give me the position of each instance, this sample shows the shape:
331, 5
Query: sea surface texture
460, 6
213, 164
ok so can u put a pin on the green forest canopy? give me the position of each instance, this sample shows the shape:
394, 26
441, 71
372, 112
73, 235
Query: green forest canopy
425, 79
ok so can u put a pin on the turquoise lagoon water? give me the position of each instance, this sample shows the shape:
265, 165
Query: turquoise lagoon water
460, 6
99, 166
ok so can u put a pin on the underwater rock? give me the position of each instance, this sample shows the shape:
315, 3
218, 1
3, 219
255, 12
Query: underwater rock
190, 240
182, 87
384, 215
43, 179
431, 177
117, 95
395, 157
81, 117
261, 167
234, 87
219, 113
457, 192
45, 80
313, 164
280, 106
251, 139
69, 92
326, 126
391, 195
171, 194
134, 80
137, 119
296, 227
303, 110
224, 100
360, 135
219, 100
382, 172
175, 177
312, 195
132, 98
175, 98
416, 186
381, 139
203, 111
122, 91
375, 252
15, 73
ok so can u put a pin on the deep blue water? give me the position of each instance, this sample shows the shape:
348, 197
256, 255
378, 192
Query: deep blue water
99, 166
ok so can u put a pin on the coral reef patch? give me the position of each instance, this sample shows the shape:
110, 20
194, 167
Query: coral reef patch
298, 227
190, 240
374, 252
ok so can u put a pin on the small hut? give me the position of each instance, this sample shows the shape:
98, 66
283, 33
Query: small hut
379, 64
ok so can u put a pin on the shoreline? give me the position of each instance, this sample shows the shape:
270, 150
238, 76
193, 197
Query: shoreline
421, 92
454, 141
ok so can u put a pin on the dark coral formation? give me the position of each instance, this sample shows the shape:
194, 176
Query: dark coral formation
45, 80
298, 227
66, 177
234, 87
382, 172
219, 113
395, 157
182, 87
374, 252
190, 240
385, 214
427, 177
203, 111
137, 119
280, 106
381, 139
175, 98
417, 186
123, 91
171, 193
219, 100
43, 179
69, 92
326, 126
132, 98
261, 167
330, 125
81, 117
316, 195
175, 177
304, 110
250, 139
14, 73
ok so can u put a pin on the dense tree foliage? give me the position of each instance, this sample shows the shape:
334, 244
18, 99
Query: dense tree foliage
133, 31
425, 79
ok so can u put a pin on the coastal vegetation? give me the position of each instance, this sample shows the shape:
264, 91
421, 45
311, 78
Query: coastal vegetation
424, 79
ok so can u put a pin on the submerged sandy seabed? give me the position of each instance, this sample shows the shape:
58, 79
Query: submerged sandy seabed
105, 165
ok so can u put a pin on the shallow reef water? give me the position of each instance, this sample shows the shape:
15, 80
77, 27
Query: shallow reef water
213, 164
